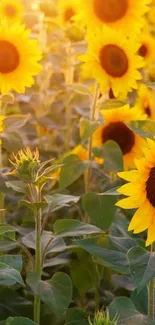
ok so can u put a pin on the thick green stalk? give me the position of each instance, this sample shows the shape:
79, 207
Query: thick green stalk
38, 267
151, 296
92, 118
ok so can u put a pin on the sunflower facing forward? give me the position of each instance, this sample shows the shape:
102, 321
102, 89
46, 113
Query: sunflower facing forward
146, 101
114, 13
113, 61
11, 10
115, 129
19, 58
68, 9
147, 48
141, 193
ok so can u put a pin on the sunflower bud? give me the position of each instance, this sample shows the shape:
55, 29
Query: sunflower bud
103, 319
26, 164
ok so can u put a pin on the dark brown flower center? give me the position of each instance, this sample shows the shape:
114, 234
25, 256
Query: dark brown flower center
113, 60
109, 11
9, 57
69, 13
121, 134
148, 111
143, 51
10, 10
150, 187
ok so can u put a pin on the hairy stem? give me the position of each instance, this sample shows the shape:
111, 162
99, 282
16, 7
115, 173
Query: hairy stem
92, 118
151, 287
38, 264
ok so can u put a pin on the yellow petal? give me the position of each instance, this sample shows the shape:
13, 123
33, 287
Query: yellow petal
129, 189
127, 203
131, 175
151, 144
141, 220
151, 234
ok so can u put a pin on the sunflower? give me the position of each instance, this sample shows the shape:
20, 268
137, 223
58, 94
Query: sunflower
141, 193
11, 10
19, 58
114, 13
68, 9
147, 48
115, 129
80, 152
113, 61
146, 101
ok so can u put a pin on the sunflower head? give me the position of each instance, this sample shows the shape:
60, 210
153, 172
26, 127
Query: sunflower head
140, 193
115, 128
146, 101
116, 14
26, 164
80, 152
19, 56
11, 10
68, 9
113, 61
103, 319
147, 48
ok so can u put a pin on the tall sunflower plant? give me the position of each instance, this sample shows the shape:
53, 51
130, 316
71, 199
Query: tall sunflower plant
77, 162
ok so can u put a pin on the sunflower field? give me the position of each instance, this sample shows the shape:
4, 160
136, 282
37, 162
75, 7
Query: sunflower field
77, 162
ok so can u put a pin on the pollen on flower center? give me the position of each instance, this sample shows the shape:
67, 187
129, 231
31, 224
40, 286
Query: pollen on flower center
69, 13
143, 51
9, 57
113, 60
121, 134
109, 11
150, 186
10, 10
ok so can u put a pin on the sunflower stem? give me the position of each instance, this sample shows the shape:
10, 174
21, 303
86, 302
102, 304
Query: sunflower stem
92, 118
69, 79
151, 297
38, 264
2, 196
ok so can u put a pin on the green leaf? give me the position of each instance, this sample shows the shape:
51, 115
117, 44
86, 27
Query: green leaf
4, 229
17, 186
100, 248
12, 141
113, 159
58, 201
127, 313
140, 300
72, 228
83, 273
75, 316
146, 128
33, 281
48, 242
9, 276
111, 103
80, 89
34, 206
14, 261
73, 168
87, 128
56, 293
100, 209
19, 321
142, 265
7, 245
14, 122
